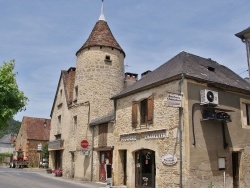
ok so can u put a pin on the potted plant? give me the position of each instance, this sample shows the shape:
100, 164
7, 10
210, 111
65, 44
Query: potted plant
58, 172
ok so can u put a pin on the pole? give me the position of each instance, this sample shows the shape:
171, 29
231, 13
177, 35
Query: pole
224, 179
248, 55
180, 130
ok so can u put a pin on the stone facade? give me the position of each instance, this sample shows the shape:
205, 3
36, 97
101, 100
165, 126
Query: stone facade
149, 142
166, 120
33, 131
203, 141
99, 74
212, 139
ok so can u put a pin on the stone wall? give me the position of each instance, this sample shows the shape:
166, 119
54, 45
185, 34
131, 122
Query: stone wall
203, 169
165, 119
97, 81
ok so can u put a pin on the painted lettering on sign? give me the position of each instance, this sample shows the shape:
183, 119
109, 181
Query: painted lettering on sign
169, 159
127, 138
174, 100
156, 135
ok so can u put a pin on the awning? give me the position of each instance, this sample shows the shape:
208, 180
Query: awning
55, 145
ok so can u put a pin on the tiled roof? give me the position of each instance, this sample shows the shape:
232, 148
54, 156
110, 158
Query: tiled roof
101, 35
193, 67
35, 128
103, 119
6, 139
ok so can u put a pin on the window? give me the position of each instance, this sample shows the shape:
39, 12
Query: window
145, 107
107, 59
74, 122
103, 131
246, 114
60, 93
76, 93
59, 119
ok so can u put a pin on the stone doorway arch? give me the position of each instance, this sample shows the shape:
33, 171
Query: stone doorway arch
145, 168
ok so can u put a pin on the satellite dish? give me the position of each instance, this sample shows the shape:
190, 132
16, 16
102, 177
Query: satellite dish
210, 96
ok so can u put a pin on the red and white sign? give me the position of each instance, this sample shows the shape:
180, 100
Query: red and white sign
84, 144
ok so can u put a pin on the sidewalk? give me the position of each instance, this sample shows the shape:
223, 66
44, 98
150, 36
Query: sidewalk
43, 172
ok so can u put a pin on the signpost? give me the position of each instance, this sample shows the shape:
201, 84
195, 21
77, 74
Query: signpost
174, 100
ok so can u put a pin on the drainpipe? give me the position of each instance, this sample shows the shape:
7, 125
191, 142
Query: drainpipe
180, 129
92, 142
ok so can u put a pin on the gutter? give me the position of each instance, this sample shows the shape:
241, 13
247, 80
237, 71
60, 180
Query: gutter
180, 128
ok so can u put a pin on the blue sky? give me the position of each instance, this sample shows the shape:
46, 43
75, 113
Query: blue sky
43, 37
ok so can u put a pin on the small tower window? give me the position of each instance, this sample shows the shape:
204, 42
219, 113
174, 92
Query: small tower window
212, 69
107, 59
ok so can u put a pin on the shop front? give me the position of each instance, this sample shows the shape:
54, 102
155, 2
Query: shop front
55, 149
145, 168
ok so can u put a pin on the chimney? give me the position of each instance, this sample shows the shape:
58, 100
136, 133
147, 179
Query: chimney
130, 78
12, 138
245, 38
145, 73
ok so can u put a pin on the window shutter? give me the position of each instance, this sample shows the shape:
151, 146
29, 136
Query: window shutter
134, 113
150, 110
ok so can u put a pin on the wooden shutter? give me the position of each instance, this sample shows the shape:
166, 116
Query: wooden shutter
103, 131
150, 114
134, 113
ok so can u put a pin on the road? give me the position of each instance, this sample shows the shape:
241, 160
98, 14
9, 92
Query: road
28, 178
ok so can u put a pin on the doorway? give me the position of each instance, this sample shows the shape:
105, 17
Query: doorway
58, 159
72, 174
145, 169
105, 159
236, 165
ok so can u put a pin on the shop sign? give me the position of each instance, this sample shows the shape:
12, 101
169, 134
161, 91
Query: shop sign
85, 152
55, 145
169, 159
84, 144
128, 138
174, 100
156, 135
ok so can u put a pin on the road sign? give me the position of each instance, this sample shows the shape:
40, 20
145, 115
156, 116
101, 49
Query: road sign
84, 144
174, 100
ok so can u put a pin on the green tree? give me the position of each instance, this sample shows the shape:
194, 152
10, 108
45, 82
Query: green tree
12, 100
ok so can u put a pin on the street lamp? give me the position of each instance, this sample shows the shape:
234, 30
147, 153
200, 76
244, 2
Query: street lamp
245, 38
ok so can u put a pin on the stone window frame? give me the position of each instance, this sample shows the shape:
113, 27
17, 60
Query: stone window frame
107, 59
245, 113
74, 123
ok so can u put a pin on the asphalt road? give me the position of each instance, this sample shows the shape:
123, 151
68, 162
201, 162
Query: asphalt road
31, 178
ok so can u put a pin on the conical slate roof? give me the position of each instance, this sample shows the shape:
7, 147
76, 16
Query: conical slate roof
101, 35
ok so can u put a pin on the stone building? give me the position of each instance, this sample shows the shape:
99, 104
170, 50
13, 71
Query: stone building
7, 143
82, 102
33, 131
192, 103
185, 124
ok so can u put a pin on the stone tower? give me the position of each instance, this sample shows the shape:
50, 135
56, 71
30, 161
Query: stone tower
99, 69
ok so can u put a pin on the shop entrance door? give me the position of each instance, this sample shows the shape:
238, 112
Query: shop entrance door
105, 159
58, 159
145, 169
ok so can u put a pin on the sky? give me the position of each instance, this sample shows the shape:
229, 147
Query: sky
43, 37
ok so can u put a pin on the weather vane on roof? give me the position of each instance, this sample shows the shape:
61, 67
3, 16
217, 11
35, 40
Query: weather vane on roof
102, 12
